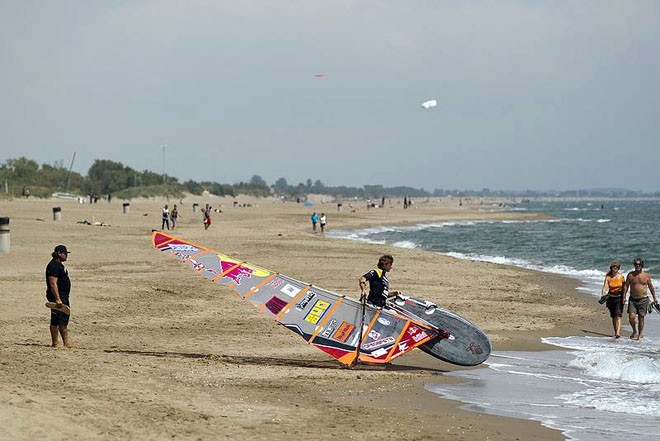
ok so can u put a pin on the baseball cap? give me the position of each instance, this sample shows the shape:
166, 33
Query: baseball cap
61, 249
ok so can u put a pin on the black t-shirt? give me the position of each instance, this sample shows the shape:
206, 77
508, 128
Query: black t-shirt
57, 269
379, 287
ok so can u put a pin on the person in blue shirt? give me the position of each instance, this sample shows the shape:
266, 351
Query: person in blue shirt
315, 220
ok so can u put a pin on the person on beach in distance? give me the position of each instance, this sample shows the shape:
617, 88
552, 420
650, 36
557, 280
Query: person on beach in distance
379, 284
612, 293
174, 216
58, 287
165, 218
315, 219
207, 216
322, 221
637, 282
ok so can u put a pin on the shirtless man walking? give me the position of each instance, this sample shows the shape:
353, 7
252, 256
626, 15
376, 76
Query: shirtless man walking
637, 281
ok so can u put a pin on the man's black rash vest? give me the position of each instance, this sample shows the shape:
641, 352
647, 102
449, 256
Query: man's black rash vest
379, 287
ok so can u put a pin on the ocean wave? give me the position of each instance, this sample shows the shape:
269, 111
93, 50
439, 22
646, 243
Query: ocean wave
586, 275
405, 244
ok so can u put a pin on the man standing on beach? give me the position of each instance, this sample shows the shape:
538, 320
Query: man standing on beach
207, 216
165, 218
322, 221
58, 287
174, 216
314, 219
637, 281
379, 284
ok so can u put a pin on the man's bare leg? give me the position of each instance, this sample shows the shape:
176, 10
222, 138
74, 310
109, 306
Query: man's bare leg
54, 336
641, 328
64, 331
633, 325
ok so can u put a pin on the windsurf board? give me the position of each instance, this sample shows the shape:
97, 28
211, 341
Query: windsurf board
467, 345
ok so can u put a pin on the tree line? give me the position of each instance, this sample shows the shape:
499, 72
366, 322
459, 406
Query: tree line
110, 177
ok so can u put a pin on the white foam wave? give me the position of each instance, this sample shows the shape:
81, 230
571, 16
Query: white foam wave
587, 275
602, 399
405, 244
622, 360
615, 365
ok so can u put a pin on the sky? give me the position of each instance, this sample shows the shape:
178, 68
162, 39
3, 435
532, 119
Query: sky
537, 95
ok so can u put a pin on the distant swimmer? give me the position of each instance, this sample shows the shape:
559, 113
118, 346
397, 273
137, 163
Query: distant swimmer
637, 282
379, 284
612, 293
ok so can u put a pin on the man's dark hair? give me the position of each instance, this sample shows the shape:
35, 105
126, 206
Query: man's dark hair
639, 260
385, 259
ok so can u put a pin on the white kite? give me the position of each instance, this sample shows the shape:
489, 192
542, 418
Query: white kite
430, 103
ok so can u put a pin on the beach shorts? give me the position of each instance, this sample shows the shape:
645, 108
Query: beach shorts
58, 318
615, 306
638, 306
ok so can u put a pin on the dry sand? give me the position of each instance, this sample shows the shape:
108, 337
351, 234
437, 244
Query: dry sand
161, 353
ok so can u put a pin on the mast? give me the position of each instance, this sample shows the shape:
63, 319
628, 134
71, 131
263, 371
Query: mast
68, 175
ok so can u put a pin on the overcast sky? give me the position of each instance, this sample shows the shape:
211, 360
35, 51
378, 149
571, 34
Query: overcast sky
541, 95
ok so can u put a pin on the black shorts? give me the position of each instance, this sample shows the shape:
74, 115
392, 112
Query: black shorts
58, 318
615, 306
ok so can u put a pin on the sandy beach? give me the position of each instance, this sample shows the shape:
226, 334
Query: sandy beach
161, 353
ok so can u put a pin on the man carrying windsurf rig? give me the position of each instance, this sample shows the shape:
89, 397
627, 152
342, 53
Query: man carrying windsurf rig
379, 284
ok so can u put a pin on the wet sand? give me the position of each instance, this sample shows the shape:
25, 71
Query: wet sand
161, 353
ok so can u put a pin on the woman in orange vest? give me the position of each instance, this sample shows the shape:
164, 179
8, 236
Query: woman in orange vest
614, 286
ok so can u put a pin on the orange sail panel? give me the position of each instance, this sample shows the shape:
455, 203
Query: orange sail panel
327, 320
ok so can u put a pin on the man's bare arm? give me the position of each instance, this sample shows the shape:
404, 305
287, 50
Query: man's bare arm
652, 289
363, 286
52, 281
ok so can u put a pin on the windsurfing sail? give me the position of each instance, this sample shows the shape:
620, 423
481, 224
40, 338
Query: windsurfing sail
326, 320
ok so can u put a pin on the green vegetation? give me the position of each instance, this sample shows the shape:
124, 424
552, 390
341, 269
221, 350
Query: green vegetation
110, 177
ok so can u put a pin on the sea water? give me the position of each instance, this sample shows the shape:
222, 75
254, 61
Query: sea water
590, 388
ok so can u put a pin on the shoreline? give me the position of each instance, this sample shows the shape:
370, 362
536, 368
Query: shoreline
201, 354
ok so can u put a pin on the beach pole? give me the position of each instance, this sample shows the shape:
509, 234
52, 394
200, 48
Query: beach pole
57, 213
4, 235
125, 207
